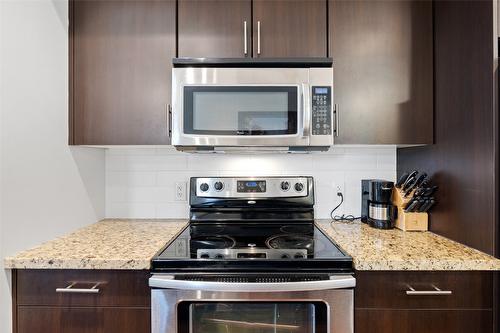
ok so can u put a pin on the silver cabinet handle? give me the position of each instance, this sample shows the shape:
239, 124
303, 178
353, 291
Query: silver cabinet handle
435, 292
337, 120
258, 37
70, 289
169, 120
245, 42
169, 281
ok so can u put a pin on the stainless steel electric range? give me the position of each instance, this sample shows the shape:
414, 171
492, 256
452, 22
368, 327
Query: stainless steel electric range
251, 261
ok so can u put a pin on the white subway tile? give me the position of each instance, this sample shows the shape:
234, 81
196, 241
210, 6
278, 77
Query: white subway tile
172, 210
121, 178
140, 194
386, 161
145, 163
130, 210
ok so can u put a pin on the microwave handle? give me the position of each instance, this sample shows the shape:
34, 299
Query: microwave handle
169, 282
306, 111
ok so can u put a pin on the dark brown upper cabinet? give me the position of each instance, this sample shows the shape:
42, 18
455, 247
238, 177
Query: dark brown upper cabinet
215, 28
120, 71
383, 63
231, 29
289, 28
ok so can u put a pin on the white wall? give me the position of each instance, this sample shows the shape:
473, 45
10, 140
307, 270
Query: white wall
47, 188
140, 182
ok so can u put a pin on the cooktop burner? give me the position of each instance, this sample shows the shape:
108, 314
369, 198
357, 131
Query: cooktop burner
212, 242
290, 241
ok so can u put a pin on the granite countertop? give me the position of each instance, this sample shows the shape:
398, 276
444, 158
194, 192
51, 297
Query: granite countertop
375, 249
108, 244
130, 244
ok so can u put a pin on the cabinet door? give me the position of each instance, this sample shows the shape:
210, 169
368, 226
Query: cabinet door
214, 28
383, 84
83, 320
423, 321
290, 28
120, 71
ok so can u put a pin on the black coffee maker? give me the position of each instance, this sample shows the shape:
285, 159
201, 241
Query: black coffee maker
376, 206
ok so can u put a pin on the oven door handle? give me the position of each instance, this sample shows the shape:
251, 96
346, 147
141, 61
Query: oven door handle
335, 282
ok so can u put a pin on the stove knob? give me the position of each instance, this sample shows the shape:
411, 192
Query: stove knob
298, 256
218, 186
204, 256
285, 256
204, 187
285, 186
299, 187
219, 256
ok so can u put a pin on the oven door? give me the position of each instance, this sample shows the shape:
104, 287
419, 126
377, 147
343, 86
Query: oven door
240, 107
183, 306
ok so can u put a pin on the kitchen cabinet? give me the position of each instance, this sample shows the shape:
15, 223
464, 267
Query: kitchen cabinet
122, 303
383, 71
274, 28
382, 304
120, 71
289, 28
214, 28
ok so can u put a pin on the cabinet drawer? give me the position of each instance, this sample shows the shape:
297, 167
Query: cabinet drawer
393, 290
115, 288
83, 320
423, 321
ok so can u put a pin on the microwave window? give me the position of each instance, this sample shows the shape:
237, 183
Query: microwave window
240, 110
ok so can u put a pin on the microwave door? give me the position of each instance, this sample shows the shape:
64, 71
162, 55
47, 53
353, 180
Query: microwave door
243, 115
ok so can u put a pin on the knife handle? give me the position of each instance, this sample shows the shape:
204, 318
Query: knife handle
410, 202
427, 203
412, 207
408, 183
402, 179
428, 206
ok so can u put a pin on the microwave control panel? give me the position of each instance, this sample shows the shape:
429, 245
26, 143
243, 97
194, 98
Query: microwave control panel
321, 110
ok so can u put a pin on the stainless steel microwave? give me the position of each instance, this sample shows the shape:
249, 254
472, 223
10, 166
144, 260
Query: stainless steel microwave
252, 108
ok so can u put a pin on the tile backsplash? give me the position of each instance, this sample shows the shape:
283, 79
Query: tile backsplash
140, 182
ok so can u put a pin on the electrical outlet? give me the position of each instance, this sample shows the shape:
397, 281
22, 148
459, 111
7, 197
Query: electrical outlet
180, 191
338, 188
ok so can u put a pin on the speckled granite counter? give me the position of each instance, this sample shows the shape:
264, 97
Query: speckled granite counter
108, 244
130, 244
374, 249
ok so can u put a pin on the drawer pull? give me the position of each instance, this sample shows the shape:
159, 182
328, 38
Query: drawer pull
435, 292
70, 289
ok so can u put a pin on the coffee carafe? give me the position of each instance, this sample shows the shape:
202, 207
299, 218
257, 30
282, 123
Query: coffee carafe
376, 203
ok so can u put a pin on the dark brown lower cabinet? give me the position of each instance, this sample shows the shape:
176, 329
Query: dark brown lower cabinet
83, 320
385, 302
423, 321
122, 304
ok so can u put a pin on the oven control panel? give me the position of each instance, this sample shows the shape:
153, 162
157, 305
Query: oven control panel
262, 187
321, 110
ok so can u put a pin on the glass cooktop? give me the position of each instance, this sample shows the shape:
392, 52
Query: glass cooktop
248, 247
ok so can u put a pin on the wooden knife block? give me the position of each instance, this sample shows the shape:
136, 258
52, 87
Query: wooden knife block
408, 221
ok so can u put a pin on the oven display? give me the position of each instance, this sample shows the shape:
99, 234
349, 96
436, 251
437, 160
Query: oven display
251, 186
